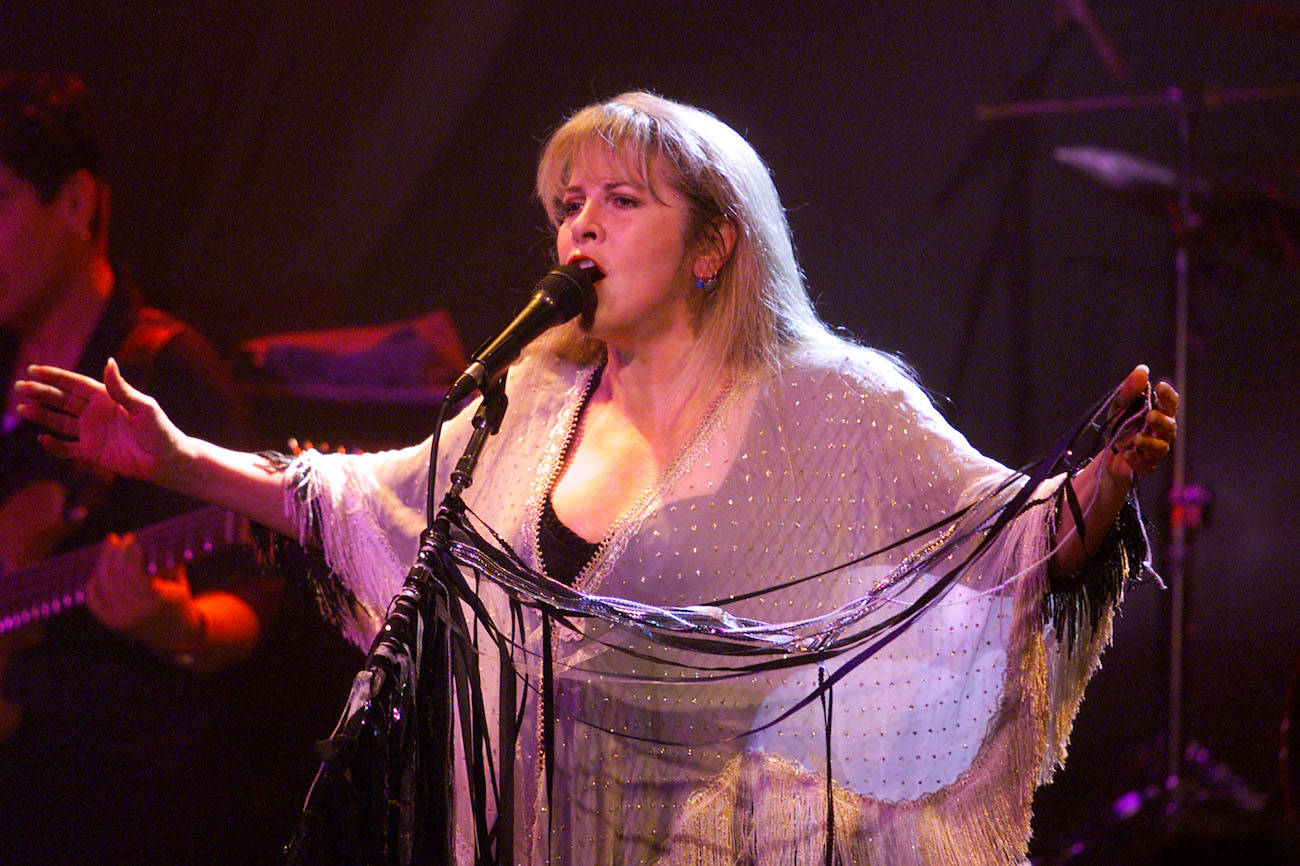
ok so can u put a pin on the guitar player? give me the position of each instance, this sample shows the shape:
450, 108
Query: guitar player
111, 714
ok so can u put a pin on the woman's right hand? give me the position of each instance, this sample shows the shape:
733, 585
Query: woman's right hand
108, 424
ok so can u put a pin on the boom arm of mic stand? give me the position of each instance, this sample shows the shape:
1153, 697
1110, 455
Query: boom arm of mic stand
395, 659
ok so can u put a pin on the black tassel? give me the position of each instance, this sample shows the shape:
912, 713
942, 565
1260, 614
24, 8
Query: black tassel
1099, 584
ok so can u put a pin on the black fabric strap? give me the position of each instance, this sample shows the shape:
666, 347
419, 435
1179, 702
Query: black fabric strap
548, 726
828, 703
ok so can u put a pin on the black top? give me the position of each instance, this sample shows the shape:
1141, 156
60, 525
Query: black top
564, 552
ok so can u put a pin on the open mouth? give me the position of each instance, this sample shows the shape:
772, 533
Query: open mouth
588, 264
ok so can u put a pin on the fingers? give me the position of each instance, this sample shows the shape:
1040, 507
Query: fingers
1160, 424
1151, 446
1147, 449
55, 398
56, 415
56, 389
1139, 455
120, 590
1146, 453
1129, 397
66, 391
117, 386
1146, 439
104, 591
57, 412
69, 399
63, 380
1167, 399
67, 449
1134, 385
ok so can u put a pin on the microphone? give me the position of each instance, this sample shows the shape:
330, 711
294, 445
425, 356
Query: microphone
557, 298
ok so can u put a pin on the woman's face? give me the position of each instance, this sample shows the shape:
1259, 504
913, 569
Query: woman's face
638, 239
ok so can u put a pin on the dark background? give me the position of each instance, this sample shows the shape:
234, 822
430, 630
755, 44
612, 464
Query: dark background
285, 165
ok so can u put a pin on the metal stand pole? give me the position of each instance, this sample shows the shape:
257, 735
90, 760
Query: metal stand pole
1177, 548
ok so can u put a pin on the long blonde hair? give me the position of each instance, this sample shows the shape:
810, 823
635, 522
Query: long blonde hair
759, 313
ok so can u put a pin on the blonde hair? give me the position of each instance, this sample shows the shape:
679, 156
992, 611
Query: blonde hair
760, 313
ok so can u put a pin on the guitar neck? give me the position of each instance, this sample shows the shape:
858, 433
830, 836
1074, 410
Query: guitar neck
43, 589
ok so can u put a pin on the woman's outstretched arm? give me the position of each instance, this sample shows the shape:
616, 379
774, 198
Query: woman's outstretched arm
114, 426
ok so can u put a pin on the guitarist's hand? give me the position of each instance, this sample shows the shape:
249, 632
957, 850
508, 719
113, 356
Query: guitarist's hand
111, 425
157, 610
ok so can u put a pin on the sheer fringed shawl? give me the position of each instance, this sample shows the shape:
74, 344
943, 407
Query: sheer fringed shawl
825, 526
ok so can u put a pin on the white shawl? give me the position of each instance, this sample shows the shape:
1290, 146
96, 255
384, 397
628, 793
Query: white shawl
938, 740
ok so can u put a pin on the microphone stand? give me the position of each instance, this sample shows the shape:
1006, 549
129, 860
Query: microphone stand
395, 733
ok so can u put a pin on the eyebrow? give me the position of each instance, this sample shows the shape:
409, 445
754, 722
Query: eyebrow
608, 186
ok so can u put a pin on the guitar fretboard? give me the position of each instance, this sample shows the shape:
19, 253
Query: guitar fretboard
45, 588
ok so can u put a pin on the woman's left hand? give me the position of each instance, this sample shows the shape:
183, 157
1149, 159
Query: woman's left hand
1105, 483
1142, 451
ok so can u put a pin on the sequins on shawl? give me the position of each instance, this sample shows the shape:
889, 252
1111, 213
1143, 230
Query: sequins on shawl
829, 466
801, 494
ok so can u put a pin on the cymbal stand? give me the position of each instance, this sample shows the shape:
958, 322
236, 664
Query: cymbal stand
1186, 503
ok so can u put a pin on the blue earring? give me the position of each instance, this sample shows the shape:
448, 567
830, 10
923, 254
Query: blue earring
707, 284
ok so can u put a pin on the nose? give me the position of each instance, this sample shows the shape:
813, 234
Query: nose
586, 224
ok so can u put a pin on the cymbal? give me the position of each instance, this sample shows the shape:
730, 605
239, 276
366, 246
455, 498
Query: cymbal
1207, 97
1255, 217
1123, 172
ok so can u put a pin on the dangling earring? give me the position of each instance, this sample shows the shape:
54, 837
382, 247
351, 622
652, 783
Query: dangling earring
708, 284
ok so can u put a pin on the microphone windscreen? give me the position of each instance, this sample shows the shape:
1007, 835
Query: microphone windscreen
570, 286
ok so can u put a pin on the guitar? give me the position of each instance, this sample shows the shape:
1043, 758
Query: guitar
36, 592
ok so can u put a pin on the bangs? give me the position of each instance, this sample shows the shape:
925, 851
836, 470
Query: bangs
632, 139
